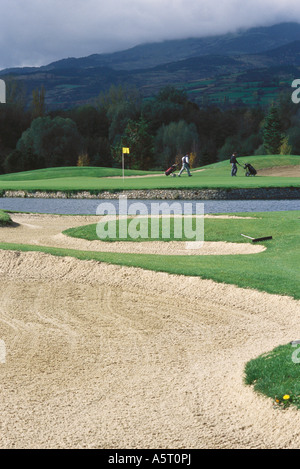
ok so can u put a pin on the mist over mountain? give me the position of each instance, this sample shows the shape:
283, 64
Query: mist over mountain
149, 67
254, 40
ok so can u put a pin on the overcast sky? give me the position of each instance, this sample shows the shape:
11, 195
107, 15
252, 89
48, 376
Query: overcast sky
37, 32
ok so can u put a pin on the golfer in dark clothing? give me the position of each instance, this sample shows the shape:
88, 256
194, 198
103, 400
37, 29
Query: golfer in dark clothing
234, 163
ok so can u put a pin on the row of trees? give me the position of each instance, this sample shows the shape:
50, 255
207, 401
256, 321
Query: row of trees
156, 130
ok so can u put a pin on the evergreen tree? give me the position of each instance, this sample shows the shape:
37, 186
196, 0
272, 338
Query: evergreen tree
38, 102
272, 132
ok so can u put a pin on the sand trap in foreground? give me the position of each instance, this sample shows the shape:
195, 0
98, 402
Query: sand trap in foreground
46, 230
101, 356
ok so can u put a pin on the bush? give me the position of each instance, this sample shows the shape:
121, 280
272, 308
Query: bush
83, 160
4, 218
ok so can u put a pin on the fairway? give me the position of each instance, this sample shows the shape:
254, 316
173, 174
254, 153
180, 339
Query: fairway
215, 176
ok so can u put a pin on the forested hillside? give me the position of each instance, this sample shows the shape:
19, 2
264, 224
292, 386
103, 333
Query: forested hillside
247, 67
207, 96
157, 130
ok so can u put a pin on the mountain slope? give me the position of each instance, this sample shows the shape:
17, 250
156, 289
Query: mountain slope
254, 40
258, 55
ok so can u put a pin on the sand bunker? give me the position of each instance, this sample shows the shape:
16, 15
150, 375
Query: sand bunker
46, 230
283, 171
101, 356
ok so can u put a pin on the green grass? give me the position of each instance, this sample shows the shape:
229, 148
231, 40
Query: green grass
5, 219
276, 375
141, 226
95, 179
69, 172
276, 270
237, 85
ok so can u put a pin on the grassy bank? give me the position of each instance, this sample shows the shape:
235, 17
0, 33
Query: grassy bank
277, 375
98, 179
5, 219
70, 172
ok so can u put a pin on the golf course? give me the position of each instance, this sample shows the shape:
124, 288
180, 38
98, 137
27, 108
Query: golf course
217, 175
142, 342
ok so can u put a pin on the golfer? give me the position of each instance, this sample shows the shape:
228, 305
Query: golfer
185, 165
234, 163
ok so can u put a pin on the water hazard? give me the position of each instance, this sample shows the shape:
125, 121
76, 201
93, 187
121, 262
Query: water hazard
89, 206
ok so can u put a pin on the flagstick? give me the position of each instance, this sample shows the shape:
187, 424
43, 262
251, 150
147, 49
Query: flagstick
124, 150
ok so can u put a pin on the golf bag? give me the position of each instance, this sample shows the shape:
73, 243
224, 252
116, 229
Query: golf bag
250, 171
171, 170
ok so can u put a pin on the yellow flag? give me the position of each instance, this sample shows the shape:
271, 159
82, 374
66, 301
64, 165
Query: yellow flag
125, 150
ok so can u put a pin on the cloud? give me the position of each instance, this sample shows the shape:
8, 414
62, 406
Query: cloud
37, 32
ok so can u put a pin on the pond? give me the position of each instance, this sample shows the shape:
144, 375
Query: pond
89, 206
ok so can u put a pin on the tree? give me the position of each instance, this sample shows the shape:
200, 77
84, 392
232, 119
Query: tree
83, 160
38, 105
14, 118
15, 93
138, 139
294, 139
232, 144
22, 161
286, 148
121, 104
56, 141
272, 132
119, 94
91, 123
176, 138
208, 153
99, 152
286, 109
170, 105
119, 116
14, 162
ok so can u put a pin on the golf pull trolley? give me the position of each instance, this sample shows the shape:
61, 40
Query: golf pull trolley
250, 171
170, 171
